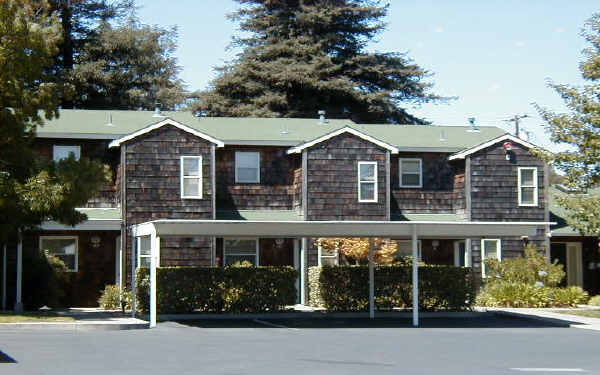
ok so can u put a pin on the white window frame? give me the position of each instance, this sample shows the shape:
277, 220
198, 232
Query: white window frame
237, 179
419, 247
466, 259
64, 238
183, 177
257, 253
534, 186
374, 182
498, 253
139, 253
55, 148
320, 255
420, 185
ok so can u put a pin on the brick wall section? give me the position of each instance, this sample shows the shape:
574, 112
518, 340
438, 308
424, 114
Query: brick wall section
92, 149
277, 188
153, 190
494, 189
333, 180
441, 191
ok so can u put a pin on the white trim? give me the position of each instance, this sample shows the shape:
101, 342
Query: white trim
505, 137
346, 129
235, 142
76, 238
457, 253
237, 180
77, 154
320, 255
374, 182
498, 252
256, 255
570, 268
535, 186
139, 253
182, 177
168, 121
400, 160
103, 224
118, 263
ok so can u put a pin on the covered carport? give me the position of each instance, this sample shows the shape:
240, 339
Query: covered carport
307, 229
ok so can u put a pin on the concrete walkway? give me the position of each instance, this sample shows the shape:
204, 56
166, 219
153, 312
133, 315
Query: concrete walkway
550, 315
85, 319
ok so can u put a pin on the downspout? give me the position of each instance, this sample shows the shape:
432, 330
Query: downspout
4, 277
19, 301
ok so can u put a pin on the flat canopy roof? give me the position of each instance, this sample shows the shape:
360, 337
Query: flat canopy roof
247, 228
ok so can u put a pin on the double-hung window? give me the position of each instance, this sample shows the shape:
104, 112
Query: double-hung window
144, 252
247, 167
328, 257
237, 250
191, 177
367, 181
63, 248
528, 186
62, 152
490, 249
411, 173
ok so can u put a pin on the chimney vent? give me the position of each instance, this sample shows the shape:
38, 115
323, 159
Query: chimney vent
443, 136
110, 122
473, 128
322, 118
157, 112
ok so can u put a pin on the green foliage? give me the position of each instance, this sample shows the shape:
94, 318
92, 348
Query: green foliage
578, 130
516, 294
300, 57
594, 301
111, 298
44, 280
529, 269
346, 288
218, 289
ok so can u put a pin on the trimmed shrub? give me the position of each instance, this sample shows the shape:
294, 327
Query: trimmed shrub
568, 297
111, 297
511, 294
218, 289
594, 301
346, 288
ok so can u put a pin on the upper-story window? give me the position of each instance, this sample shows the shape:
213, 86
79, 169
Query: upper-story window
247, 166
63, 152
191, 177
367, 181
528, 186
411, 172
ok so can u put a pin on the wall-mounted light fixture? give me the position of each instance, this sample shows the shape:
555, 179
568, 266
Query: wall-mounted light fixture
95, 240
435, 244
508, 148
279, 242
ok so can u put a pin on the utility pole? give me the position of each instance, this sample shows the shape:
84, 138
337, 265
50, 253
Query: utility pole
516, 120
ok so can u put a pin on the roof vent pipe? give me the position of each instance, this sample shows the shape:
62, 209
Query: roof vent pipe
157, 112
322, 118
443, 136
472, 128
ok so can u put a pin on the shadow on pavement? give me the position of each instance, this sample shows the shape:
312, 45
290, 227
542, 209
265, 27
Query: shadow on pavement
5, 358
316, 323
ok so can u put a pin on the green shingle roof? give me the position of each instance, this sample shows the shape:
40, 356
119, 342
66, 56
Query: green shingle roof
259, 215
288, 131
101, 213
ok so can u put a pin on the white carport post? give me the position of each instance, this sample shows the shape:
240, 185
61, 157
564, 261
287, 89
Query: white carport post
19, 301
155, 250
415, 275
371, 279
133, 265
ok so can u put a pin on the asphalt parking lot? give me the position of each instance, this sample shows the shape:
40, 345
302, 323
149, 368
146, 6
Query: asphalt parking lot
489, 345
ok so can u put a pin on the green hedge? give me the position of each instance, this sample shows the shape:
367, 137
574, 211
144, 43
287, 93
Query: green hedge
218, 289
346, 288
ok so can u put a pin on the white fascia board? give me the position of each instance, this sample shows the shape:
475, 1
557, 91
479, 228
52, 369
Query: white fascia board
505, 137
108, 224
79, 136
346, 129
297, 229
261, 143
168, 121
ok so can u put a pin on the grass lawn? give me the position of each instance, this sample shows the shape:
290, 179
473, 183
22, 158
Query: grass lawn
33, 317
587, 313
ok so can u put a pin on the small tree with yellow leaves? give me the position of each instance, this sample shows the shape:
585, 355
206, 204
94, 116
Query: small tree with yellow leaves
357, 249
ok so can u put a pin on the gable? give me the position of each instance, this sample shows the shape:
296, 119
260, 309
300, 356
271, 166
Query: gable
158, 125
344, 130
504, 138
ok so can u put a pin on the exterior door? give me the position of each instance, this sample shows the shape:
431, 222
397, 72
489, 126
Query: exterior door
569, 255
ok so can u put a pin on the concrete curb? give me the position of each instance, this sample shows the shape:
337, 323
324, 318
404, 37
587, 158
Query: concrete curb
555, 318
76, 326
318, 315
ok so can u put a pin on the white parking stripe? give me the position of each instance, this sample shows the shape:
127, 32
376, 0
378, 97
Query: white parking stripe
541, 369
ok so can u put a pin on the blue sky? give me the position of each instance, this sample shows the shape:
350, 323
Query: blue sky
495, 56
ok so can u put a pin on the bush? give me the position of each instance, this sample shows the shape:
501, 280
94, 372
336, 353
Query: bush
512, 294
346, 288
44, 280
111, 298
218, 289
594, 301
568, 297
529, 269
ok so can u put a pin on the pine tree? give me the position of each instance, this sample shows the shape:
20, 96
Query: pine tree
33, 189
580, 131
301, 56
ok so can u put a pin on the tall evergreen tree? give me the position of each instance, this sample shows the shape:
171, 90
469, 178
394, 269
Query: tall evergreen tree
301, 56
33, 189
580, 131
